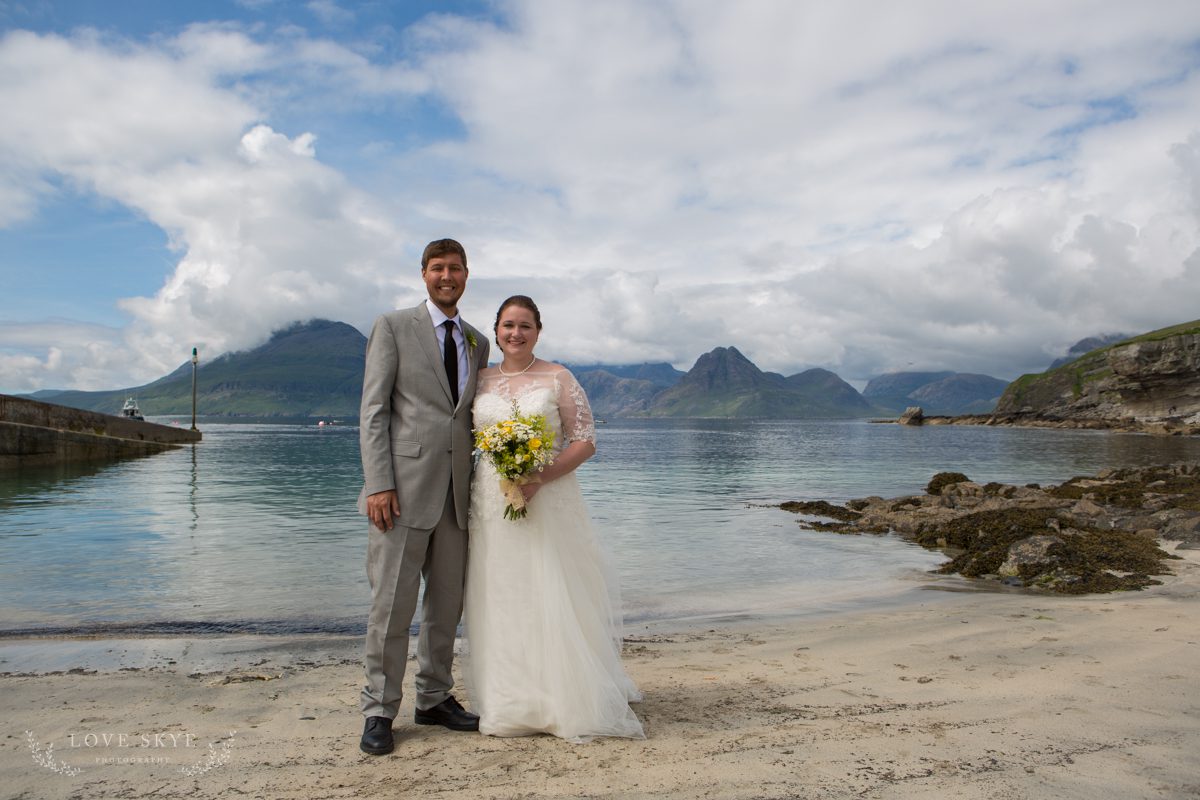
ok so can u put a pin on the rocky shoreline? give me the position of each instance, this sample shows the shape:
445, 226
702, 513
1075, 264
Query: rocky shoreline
1169, 426
1090, 534
1162, 426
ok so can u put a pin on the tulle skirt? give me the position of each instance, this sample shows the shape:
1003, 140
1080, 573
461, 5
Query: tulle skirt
542, 619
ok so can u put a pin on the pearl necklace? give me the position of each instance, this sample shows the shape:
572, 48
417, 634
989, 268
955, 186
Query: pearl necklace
500, 367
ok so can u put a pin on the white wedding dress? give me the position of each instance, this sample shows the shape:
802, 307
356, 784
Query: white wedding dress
541, 609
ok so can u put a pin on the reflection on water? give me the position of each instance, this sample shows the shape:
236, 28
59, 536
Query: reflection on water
254, 529
255, 523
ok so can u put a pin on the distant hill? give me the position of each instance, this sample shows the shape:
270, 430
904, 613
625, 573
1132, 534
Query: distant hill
1085, 346
1154, 377
961, 393
624, 390
657, 374
311, 368
935, 392
613, 396
892, 391
824, 394
724, 383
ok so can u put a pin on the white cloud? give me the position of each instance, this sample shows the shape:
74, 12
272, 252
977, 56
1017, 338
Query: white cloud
856, 186
330, 13
81, 355
84, 110
271, 235
265, 232
933, 185
216, 49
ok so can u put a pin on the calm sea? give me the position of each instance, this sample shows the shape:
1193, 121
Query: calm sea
254, 529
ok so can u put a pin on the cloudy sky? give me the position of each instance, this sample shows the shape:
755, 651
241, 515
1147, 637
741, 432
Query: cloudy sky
860, 186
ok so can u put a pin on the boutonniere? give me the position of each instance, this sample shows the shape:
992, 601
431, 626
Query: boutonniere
471, 341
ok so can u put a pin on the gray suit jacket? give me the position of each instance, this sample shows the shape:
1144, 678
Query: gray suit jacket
411, 436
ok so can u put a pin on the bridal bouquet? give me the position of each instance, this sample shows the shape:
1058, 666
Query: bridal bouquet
516, 447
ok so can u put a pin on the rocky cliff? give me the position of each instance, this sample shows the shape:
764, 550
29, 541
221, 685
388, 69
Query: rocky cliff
1150, 379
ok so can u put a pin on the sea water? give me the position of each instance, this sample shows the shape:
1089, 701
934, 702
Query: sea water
254, 530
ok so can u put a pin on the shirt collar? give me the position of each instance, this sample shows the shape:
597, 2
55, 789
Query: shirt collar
439, 317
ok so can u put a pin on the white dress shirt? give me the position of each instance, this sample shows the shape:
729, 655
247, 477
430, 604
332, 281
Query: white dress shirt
460, 341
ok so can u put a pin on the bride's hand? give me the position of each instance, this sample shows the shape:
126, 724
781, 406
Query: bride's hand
531, 488
575, 454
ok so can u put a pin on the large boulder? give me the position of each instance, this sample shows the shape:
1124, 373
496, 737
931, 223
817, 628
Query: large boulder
1031, 554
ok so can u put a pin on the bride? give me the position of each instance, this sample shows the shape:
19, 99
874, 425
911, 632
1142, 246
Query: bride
542, 617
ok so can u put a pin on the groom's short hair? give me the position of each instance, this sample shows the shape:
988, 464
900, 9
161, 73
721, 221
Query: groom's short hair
442, 247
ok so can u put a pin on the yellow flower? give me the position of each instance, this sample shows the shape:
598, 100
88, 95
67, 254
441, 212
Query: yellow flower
535, 444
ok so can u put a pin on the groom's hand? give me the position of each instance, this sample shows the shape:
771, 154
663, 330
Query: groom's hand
382, 507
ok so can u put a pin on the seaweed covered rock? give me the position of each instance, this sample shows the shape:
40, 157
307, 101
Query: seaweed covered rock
1032, 551
1090, 534
821, 508
1034, 546
944, 479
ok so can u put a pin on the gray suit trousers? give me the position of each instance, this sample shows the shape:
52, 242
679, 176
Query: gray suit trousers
397, 561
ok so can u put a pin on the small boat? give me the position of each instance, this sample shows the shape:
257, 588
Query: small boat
131, 410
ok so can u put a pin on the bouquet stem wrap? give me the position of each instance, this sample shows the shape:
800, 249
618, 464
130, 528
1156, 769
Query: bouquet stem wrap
517, 447
515, 497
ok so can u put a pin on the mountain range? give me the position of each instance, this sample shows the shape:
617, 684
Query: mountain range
315, 368
723, 383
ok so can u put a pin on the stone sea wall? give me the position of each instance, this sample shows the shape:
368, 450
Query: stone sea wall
33, 433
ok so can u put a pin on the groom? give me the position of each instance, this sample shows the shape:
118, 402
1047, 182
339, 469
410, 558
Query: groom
415, 437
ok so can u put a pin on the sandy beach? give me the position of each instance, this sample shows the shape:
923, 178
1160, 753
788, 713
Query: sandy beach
967, 694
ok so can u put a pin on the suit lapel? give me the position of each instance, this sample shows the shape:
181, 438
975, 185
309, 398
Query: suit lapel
422, 327
472, 370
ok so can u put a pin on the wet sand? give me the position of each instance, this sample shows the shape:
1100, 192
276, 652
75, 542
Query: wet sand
966, 695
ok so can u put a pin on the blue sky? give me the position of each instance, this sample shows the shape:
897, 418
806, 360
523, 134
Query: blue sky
859, 186
81, 252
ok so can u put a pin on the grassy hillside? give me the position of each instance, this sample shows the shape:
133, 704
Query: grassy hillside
309, 369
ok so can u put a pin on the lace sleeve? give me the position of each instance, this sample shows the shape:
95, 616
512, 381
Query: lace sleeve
573, 409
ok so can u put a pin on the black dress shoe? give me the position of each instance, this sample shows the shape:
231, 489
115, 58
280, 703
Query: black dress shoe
449, 713
377, 737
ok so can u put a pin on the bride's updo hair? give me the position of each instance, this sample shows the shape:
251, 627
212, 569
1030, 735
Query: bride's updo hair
523, 301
